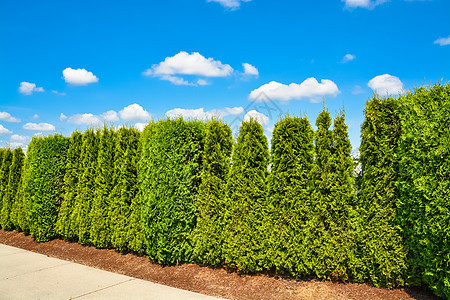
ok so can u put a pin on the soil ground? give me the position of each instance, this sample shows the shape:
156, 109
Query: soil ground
210, 281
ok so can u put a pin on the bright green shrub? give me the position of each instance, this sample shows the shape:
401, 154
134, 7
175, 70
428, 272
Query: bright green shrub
246, 198
102, 229
4, 178
289, 189
44, 184
11, 205
125, 189
424, 183
210, 203
171, 165
64, 224
380, 244
86, 186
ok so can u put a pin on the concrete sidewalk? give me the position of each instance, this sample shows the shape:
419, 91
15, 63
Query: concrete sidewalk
29, 275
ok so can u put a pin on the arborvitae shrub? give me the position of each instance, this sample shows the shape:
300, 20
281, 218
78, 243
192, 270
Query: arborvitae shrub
102, 229
380, 244
244, 246
44, 184
11, 205
4, 178
210, 203
424, 183
86, 186
64, 224
125, 189
171, 164
289, 190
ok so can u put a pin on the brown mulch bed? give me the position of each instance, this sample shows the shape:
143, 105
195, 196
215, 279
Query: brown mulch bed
215, 282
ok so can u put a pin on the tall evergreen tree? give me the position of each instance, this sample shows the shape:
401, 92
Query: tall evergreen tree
10, 203
64, 224
125, 189
102, 229
289, 189
246, 199
210, 203
4, 178
380, 244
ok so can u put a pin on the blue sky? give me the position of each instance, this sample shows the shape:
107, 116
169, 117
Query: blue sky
67, 65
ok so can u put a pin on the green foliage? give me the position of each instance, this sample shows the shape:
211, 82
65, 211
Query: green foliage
331, 232
210, 203
11, 206
246, 199
289, 190
424, 183
43, 184
170, 166
86, 187
380, 244
125, 189
102, 229
7, 157
64, 224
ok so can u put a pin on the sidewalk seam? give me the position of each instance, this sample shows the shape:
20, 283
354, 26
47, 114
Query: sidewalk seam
104, 288
39, 270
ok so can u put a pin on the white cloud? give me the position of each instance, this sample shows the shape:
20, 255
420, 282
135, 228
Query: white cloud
370, 4
231, 4
443, 41
39, 127
140, 126
4, 131
259, 117
16, 145
348, 57
79, 76
58, 93
35, 117
18, 138
310, 88
62, 117
201, 114
184, 63
110, 116
386, 85
202, 82
250, 70
4, 116
84, 119
135, 112
27, 88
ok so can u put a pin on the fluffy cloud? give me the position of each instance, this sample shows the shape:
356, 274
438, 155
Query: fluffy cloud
259, 117
4, 116
363, 3
135, 112
27, 88
443, 41
4, 131
140, 126
62, 117
110, 116
79, 76
84, 119
310, 88
39, 127
348, 57
231, 4
18, 138
250, 70
386, 85
184, 63
201, 114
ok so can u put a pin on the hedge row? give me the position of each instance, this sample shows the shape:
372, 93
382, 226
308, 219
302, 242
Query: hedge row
183, 191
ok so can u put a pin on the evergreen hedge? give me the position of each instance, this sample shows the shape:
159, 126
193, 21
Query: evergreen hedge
11, 206
170, 167
7, 157
289, 189
244, 246
381, 247
210, 203
424, 183
44, 184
